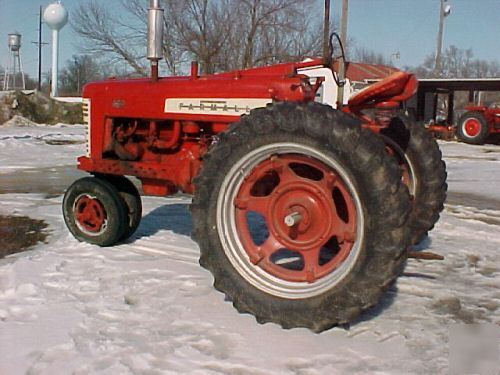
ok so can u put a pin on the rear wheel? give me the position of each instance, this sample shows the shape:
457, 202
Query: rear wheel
94, 212
422, 169
472, 128
299, 215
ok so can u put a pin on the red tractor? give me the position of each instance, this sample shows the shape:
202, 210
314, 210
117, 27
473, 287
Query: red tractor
304, 214
478, 123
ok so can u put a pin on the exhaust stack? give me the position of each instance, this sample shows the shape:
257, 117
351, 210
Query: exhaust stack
155, 36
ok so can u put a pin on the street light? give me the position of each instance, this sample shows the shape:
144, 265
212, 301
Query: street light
444, 12
396, 55
447, 10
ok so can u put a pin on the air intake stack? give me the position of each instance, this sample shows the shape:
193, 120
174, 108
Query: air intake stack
155, 36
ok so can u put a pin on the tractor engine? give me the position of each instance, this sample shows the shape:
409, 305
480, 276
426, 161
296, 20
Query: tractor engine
159, 130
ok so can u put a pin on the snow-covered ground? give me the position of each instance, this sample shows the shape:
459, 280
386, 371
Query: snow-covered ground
146, 307
26, 147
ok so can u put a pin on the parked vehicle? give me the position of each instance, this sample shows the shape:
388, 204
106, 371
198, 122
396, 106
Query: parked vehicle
300, 209
478, 123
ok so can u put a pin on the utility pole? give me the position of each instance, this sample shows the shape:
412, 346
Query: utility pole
77, 67
326, 30
343, 39
444, 11
40, 44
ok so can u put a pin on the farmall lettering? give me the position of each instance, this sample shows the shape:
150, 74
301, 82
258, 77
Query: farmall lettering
215, 106
303, 217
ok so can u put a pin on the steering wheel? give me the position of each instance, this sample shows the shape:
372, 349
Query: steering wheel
339, 82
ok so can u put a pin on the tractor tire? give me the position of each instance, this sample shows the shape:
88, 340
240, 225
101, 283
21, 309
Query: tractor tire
300, 216
472, 128
94, 211
423, 171
132, 199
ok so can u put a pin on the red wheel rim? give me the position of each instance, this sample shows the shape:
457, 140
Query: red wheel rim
309, 214
472, 127
90, 214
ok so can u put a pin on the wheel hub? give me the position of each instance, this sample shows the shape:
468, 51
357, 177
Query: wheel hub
90, 215
472, 127
302, 200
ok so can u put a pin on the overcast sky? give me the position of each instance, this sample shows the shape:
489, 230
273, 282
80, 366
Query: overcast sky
386, 26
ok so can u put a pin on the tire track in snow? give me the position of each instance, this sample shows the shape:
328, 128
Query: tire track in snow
172, 252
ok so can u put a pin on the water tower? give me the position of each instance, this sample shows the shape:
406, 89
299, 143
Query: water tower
56, 17
15, 66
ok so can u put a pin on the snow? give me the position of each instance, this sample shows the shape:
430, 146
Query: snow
69, 99
147, 307
25, 147
473, 169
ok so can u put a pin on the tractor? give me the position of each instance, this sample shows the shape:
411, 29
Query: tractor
478, 123
304, 213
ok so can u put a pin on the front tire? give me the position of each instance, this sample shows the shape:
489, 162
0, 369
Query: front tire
472, 128
94, 212
132, 200
331, 236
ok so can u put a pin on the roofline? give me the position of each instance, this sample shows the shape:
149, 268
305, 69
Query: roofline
459, 79
437, 80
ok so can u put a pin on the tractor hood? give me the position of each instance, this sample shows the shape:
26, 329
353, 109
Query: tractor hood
237, 92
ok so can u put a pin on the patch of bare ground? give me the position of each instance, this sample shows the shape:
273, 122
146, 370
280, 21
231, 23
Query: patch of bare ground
52, 181
62, 142
19, 233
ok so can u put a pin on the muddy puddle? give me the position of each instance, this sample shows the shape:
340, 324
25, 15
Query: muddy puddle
51, 181
62, 142
19, 233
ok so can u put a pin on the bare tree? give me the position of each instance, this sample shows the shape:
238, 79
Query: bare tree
220, 34
200, 28
458, 63
105, 33
272, 31
364, 55
79, 71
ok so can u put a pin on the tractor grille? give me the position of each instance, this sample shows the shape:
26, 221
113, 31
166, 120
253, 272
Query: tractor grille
86, 121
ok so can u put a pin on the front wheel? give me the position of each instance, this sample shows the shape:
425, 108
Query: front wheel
299, 215
94, 211
132, 200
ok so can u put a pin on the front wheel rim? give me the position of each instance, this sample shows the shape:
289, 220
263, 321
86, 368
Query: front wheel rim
313, 217
90, 215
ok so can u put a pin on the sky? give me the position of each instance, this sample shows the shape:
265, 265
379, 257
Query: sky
386, 26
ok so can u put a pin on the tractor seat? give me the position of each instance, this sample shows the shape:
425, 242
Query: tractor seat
395, 88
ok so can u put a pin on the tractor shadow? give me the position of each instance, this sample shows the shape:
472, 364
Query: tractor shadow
392, 292
172, 217
177, 218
